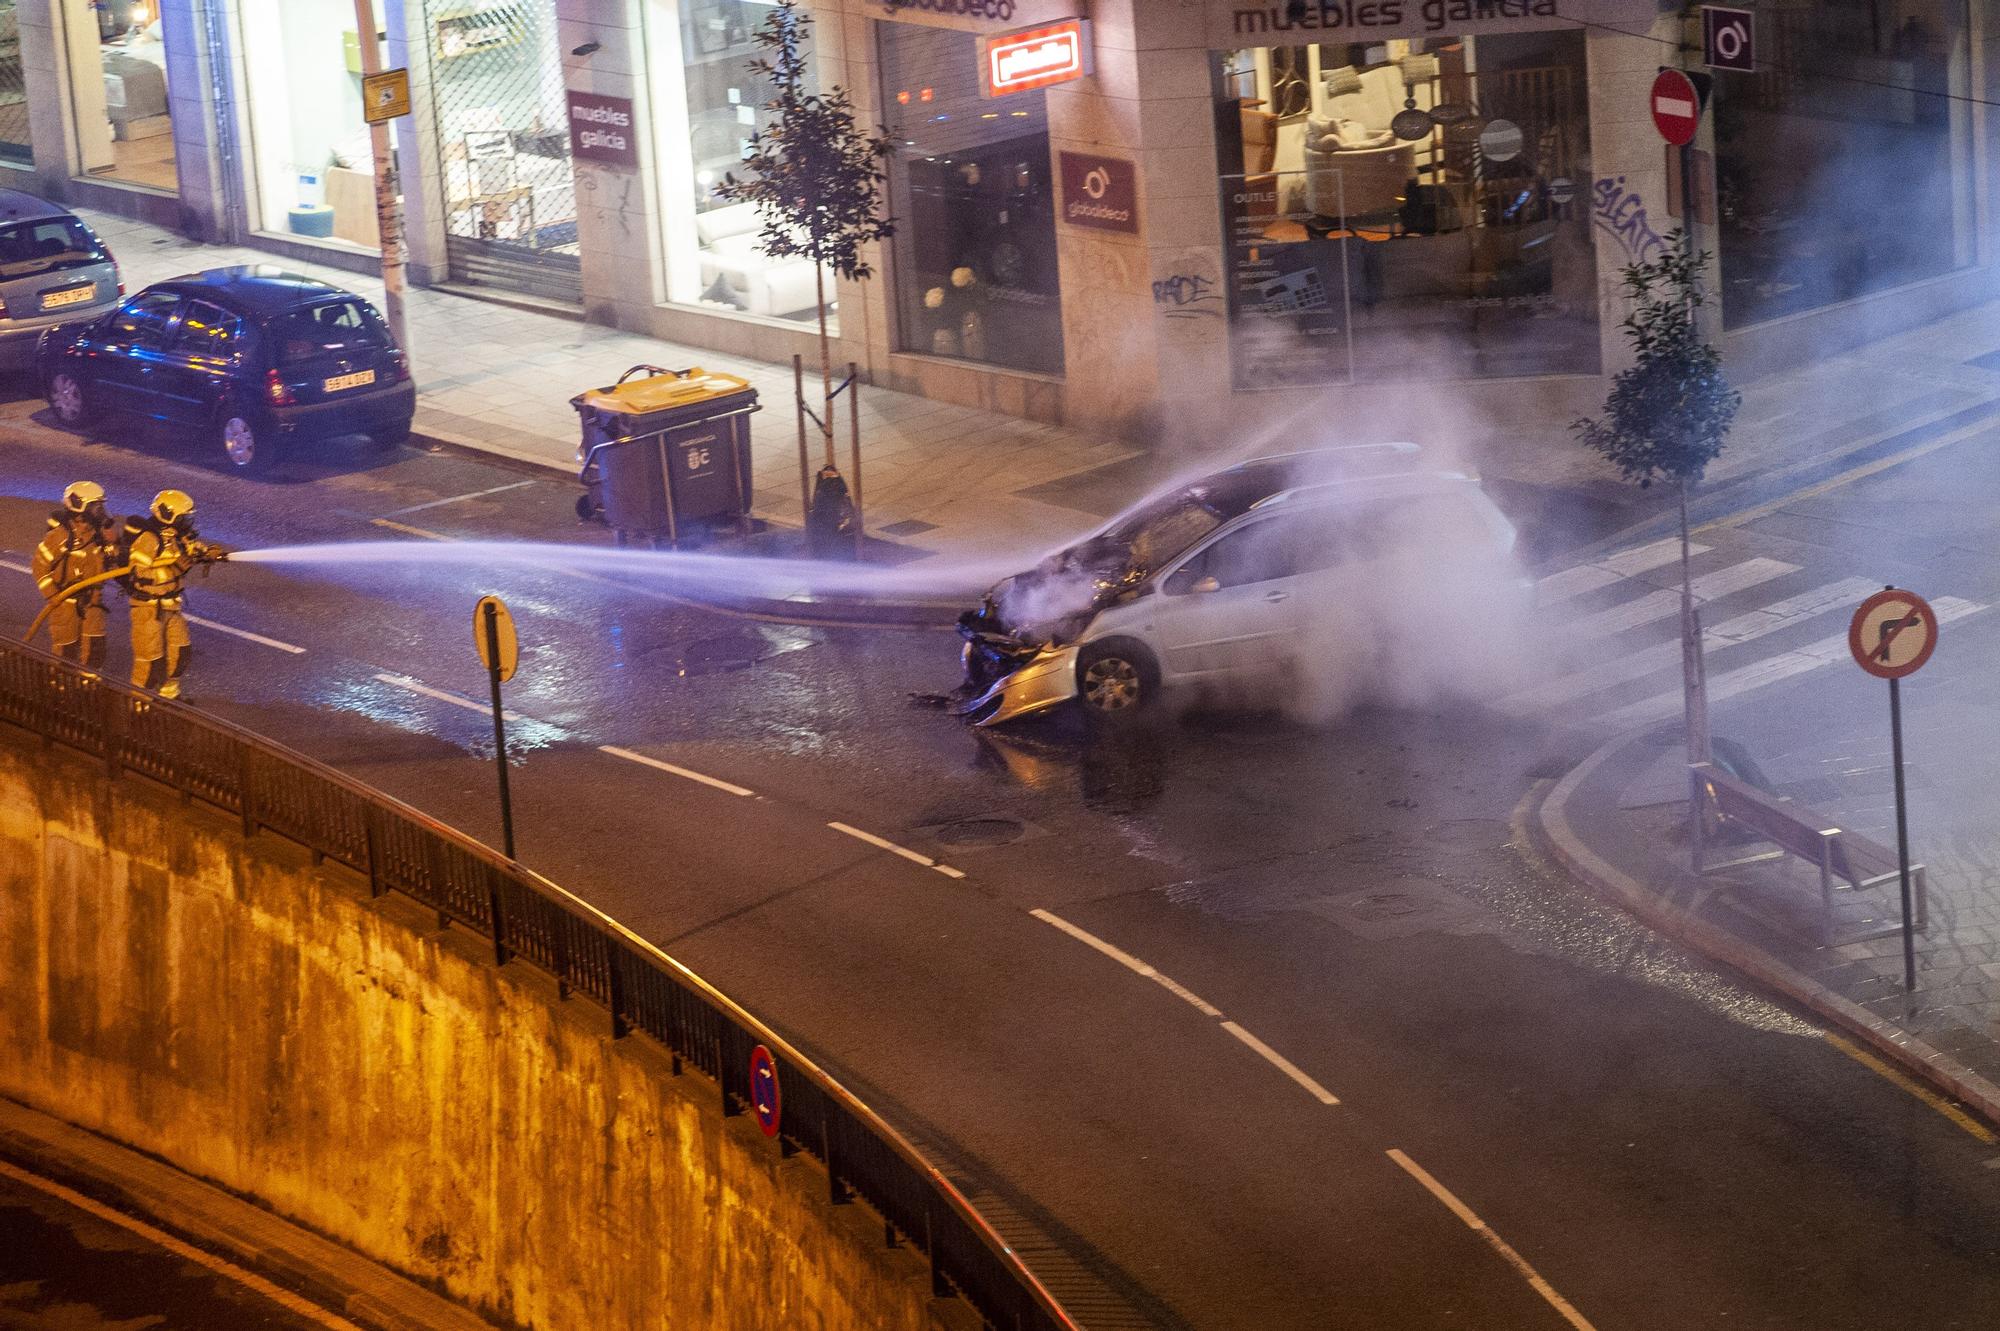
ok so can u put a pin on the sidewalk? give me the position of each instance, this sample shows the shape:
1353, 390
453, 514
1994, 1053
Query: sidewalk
498, 379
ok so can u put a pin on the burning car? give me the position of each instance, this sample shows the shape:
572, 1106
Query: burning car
1262, 580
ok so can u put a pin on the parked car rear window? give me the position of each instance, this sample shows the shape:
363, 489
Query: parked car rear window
206, 330
29, 249
328, 330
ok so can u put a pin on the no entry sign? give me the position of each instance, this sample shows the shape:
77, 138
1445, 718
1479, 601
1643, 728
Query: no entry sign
1676, 107
1892, 634
764, 1096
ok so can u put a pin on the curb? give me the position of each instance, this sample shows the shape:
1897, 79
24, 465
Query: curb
804, 613
1555, 834
320, 1270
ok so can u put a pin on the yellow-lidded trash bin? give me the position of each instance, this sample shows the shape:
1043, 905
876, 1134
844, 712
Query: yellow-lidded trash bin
666, 455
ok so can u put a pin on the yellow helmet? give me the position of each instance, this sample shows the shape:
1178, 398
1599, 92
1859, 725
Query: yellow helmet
80, 496
171, 506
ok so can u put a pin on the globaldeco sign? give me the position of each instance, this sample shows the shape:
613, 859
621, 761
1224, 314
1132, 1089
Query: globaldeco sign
1012, 62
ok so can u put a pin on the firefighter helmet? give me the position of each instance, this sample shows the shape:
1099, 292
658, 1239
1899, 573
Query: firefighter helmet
172, 506
81, 496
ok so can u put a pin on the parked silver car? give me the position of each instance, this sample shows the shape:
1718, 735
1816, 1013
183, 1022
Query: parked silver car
1306, 574
53, 271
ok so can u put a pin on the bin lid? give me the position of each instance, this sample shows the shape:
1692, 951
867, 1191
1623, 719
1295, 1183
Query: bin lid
664, 392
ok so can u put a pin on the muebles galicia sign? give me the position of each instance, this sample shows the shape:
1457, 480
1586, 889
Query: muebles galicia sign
1232, 23
600, 130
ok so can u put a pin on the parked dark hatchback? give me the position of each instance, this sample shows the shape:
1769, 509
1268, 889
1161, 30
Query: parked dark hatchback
253, 358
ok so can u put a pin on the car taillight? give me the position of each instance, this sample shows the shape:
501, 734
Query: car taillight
275, 390
399, 367
112, 259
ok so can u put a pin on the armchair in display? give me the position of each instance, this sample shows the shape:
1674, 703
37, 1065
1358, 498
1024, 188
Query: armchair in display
1351, 156
748, 278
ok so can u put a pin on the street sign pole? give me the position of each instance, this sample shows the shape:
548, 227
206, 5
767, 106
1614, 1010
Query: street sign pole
1902, 832
491, 615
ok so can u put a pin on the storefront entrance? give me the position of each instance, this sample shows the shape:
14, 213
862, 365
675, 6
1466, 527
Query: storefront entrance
506, 178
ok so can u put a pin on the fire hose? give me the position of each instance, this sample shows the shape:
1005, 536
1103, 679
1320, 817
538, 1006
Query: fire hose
69, 593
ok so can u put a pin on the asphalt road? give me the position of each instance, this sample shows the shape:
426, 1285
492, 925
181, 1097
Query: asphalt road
1379, 1068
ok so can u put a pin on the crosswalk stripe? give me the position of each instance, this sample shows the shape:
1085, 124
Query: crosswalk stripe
1612, 568
1661, 655
1660, 604
1769, 670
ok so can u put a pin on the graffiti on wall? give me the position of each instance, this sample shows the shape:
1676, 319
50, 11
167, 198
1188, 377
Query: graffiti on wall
1621, 214
1187, 296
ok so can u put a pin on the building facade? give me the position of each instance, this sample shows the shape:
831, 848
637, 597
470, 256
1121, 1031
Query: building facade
1178, 219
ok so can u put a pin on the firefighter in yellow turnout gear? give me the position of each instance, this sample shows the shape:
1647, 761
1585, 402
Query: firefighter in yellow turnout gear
163, 549
78, 546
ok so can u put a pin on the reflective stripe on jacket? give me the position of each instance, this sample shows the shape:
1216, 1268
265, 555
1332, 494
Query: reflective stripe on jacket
161, 557
63, 559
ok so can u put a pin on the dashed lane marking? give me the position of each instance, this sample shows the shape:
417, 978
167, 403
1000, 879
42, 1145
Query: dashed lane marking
894, 849
459, 499
1127, 960
1907, 1083
1498, 1244
685, 773
159, 1238
408, 530
484, 709
1207, 1009
246, 635
1282, 1064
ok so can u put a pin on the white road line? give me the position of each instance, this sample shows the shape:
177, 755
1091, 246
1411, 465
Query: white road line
405, 682
409, 530
246, 635
1613, 568
1498, 1244
684, 772
1769, 670
1127, 960
458, 499
1662, 655
1282, 1064
18, 568
250, 1280
1660, 604
894, 849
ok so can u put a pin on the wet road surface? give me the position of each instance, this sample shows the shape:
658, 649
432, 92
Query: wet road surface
1232, 1022
65, 1266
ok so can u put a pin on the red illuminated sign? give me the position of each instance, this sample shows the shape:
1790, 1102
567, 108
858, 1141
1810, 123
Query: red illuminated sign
1034, 57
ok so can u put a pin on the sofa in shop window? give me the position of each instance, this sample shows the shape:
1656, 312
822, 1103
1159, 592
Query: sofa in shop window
753, 281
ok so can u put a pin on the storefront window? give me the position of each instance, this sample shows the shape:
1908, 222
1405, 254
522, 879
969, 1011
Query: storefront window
311, 152
14, 144
1842, 165
118, 87
974, 256
503, 126
710, 103
1458, 248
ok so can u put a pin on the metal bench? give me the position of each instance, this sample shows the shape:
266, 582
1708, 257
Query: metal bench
1846, 860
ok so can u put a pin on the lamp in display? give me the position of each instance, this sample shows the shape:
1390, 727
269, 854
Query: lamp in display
1342, 81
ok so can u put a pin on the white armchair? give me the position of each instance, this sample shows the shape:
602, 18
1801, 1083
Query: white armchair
751, 280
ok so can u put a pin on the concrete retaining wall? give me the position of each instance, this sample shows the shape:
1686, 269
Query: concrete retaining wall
262, 1024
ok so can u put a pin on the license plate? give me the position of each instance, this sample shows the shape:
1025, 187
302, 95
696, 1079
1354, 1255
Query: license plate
355, 380
55, 300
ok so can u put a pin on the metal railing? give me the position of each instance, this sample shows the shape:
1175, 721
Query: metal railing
526, 917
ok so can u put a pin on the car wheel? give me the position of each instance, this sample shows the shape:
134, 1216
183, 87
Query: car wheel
1116, 680
68, 399
243, 442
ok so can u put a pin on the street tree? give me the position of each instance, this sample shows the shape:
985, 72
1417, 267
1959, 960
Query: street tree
1668, 414
816, 179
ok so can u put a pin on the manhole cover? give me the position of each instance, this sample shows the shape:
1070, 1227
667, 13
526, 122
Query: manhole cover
709, 656
979, 832
1387, 906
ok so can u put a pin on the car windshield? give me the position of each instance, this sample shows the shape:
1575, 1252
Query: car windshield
332, 329
30, 249
1142, 541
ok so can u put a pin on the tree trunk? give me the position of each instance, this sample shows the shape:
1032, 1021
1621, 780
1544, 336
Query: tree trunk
826, 368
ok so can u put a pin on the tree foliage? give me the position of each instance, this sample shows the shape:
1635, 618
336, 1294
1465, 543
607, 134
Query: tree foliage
814, 176
1667, 416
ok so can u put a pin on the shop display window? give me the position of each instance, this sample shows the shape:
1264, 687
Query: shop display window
311, 153
973, 260
1407, 209
503, 125
14, 144
118, 87
1843, 165
708, 114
